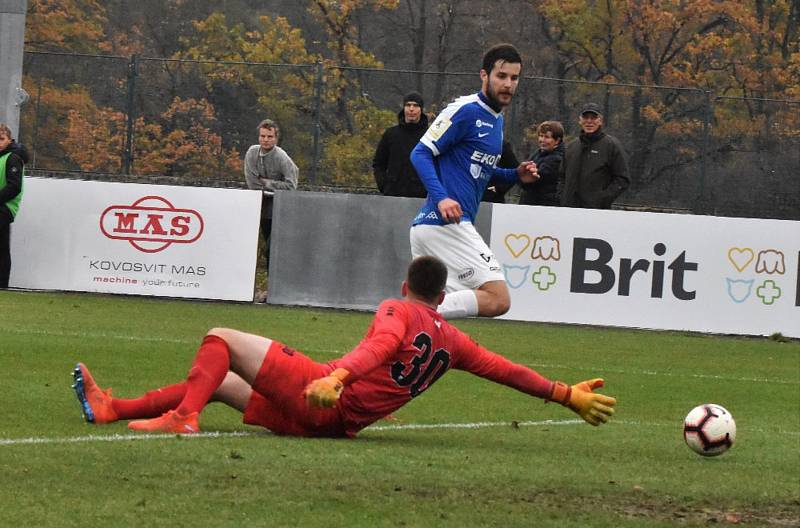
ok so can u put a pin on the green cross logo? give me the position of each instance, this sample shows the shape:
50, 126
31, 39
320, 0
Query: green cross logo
544, 278
768, 292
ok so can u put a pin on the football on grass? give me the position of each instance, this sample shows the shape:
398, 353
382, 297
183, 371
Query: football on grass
709, 429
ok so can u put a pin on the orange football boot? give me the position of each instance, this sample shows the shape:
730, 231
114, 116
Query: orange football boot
95, 402
169, 422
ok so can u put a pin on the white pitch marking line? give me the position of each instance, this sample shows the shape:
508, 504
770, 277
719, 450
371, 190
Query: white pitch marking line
116, 438
163, 436
476, 425
395, 427
100, 335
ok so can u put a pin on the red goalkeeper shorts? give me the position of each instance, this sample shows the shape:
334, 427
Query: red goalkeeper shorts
277, 402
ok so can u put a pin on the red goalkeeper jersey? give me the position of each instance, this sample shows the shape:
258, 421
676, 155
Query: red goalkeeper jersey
407, 348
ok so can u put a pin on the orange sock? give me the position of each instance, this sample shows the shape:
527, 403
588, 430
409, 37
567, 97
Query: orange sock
207, 373
154, 403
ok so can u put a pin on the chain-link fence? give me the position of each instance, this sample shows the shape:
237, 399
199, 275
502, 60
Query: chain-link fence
190, 122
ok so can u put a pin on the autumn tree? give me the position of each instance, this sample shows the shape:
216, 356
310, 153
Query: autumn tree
253, 74
184, 143
58, 89
342, 82
260, 62
66, 25
181, 142
358, 121
46, 119
705, 46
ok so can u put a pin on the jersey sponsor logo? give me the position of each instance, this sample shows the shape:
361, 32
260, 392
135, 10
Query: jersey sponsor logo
475, 170
424, 369
480, 123
483, 158
151, 224
466, 274
488, 258
483, 134
438, 128
432, 216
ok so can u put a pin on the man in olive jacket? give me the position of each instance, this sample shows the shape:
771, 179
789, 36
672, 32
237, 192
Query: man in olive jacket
595, 168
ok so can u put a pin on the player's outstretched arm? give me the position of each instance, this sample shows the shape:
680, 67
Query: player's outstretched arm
325, 392
593, 407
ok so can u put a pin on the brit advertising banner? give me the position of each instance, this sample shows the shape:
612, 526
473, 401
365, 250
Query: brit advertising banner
650, 270
136, 239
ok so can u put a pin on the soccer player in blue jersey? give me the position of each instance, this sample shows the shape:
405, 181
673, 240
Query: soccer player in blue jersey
456, 159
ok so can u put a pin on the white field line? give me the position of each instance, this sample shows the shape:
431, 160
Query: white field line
115, 438
137, 437
100, 335
476, 425
336, 353
133, 437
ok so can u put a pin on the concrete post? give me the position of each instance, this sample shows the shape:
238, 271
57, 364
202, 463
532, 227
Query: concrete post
12, 41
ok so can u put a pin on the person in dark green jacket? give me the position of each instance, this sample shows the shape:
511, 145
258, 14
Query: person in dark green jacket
595, 167
12, 166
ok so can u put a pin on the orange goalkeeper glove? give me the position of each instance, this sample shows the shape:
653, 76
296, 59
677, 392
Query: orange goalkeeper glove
325, 392
593, 407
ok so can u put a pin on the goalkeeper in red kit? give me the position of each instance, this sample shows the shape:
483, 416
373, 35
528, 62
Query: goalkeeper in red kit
407, 348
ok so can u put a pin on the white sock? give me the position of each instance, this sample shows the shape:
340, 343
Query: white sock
458, 304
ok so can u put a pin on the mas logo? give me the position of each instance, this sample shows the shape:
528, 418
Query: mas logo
151, 224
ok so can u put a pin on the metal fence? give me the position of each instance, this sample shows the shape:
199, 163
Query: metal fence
192, 121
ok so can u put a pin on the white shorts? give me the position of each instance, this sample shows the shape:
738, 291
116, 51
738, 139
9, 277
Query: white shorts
470, 263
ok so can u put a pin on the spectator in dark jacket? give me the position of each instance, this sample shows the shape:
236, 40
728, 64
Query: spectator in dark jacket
496, 190
548, 158
595, 168
13, 158
394, 173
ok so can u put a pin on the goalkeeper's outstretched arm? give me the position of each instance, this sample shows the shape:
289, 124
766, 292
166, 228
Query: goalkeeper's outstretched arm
593, 407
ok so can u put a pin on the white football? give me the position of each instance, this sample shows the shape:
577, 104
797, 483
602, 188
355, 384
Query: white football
709, 429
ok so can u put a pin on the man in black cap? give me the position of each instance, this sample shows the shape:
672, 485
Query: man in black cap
394, 173
595, 168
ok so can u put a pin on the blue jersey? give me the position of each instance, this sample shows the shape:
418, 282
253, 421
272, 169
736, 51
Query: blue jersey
458, 155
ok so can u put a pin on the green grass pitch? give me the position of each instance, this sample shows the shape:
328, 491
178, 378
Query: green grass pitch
487, 456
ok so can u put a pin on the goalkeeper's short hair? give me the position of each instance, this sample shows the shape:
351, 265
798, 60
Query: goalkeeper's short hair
427, 277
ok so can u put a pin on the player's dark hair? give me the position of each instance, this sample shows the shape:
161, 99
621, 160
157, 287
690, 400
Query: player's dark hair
500, 52
427, 277
269, 124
